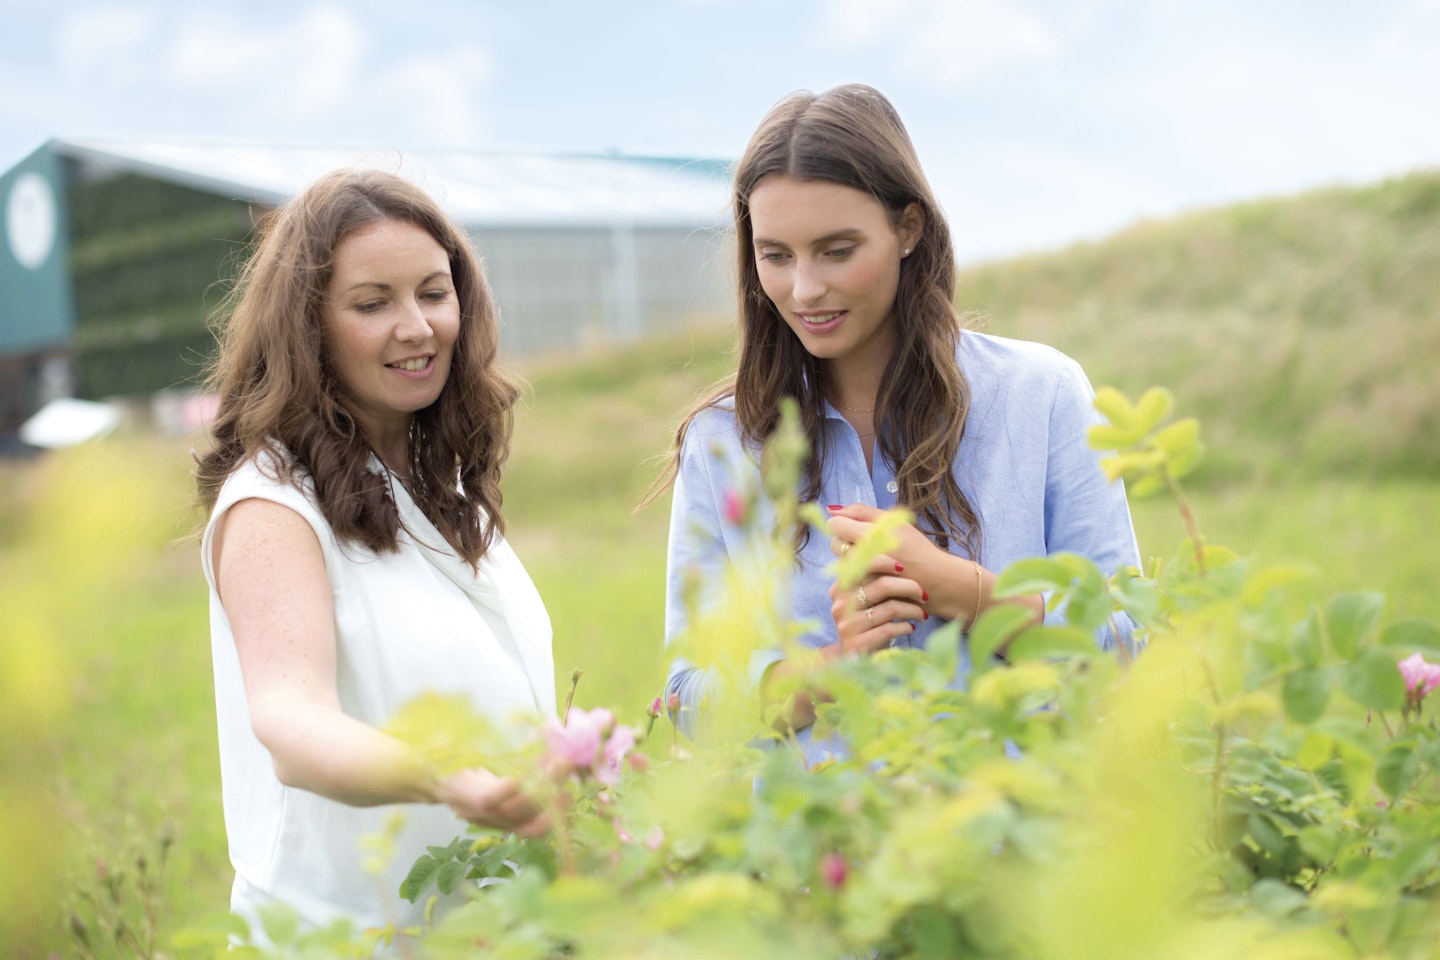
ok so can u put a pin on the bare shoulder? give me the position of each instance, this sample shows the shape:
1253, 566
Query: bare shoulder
259, 530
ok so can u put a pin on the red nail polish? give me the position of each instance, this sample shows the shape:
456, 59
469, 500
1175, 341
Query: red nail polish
924, 597
926, 616
834, 506
899, 568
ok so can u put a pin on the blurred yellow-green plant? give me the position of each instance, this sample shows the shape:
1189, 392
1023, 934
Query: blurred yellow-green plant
1262, 778
129, 743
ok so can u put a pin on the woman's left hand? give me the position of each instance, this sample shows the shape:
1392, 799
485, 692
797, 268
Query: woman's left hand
948, 583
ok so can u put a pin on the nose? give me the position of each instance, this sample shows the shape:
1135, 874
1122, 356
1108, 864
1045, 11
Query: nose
412, 325
809, 283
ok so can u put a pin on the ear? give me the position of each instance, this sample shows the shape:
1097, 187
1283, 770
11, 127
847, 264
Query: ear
911, 225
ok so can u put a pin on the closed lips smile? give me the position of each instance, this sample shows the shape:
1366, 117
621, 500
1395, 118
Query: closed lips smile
413, 365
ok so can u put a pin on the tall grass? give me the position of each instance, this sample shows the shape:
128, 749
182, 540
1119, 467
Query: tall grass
1302, 330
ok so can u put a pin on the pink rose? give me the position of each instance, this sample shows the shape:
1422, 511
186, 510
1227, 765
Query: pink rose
833, 870
578, 741
620, 742
1420, 677
734, 508
657, 707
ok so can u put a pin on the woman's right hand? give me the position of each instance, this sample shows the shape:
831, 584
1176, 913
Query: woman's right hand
876, 613
481, 797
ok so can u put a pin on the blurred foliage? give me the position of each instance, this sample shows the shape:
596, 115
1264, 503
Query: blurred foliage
77, 565
1301, 330
1257, 782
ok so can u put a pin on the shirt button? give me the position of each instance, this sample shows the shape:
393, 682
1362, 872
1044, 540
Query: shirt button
893, 487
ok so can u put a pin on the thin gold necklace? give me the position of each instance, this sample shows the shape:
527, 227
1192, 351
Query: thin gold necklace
852, 409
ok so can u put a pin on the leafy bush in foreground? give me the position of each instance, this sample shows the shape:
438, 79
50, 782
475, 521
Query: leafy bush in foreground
1263, 780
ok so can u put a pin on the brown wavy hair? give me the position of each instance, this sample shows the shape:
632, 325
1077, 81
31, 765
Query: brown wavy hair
852, 135
279, 392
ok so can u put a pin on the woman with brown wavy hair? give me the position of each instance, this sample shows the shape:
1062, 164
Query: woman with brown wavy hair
354, 548
846, 303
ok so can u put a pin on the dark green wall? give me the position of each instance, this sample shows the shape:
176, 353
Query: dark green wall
148, 261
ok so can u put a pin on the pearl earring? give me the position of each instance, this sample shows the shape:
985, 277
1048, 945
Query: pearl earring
905, 252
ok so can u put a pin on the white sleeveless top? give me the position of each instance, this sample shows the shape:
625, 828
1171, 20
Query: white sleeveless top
406, 623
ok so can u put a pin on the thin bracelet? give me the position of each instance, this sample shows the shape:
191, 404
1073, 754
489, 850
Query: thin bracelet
979, 586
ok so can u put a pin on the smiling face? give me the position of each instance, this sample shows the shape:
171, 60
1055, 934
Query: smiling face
391, 318
828, 256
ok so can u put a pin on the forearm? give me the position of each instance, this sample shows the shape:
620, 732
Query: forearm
318, 748
961, 589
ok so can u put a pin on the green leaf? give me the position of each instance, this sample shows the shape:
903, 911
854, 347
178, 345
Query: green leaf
1321, 842
1263, 831
1088, 609
1397, 768
448, 876
1305, 694
943, 648
1276, 899
1181, 444
933, 931
1309, 643
1105, 436
280, 922
1154, 406
1137, 595
995, 626
1373, 680
1033, 575
1115, 407
1051, 642
1413, 636
1349, 618
418, 879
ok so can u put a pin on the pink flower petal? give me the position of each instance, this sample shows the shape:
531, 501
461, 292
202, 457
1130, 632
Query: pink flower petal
620, 742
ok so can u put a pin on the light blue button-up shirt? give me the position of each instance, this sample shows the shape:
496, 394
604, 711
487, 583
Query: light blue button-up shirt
1023, 464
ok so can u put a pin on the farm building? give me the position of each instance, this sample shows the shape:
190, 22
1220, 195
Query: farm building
115, 254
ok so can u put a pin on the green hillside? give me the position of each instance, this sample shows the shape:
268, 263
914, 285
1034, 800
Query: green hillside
1303, 331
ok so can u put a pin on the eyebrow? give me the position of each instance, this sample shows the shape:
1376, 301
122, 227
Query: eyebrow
846, 233
385, 286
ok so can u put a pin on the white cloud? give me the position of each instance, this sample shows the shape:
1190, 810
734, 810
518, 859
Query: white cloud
102, 46
952, 43
303, 67
438, 94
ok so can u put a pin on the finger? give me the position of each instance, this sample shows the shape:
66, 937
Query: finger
839, 546
847, 528
880, 636
886, 586
537, 826
856, 511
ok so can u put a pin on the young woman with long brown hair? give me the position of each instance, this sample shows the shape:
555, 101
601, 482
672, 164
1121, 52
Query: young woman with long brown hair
846, 303
354, 548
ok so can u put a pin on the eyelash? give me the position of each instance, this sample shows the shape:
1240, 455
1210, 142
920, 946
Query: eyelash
374, 306
838, 253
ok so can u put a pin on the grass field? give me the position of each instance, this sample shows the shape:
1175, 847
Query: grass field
126, 750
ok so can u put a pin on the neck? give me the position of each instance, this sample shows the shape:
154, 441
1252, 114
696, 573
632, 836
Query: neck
854, 382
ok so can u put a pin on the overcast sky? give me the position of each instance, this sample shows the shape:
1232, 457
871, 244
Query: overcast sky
1039, 121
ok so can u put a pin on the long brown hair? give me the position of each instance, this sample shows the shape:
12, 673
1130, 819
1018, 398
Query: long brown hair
279, 392
852, 135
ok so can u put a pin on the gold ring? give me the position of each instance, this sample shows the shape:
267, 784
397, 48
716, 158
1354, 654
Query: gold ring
860, 595
845, 546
